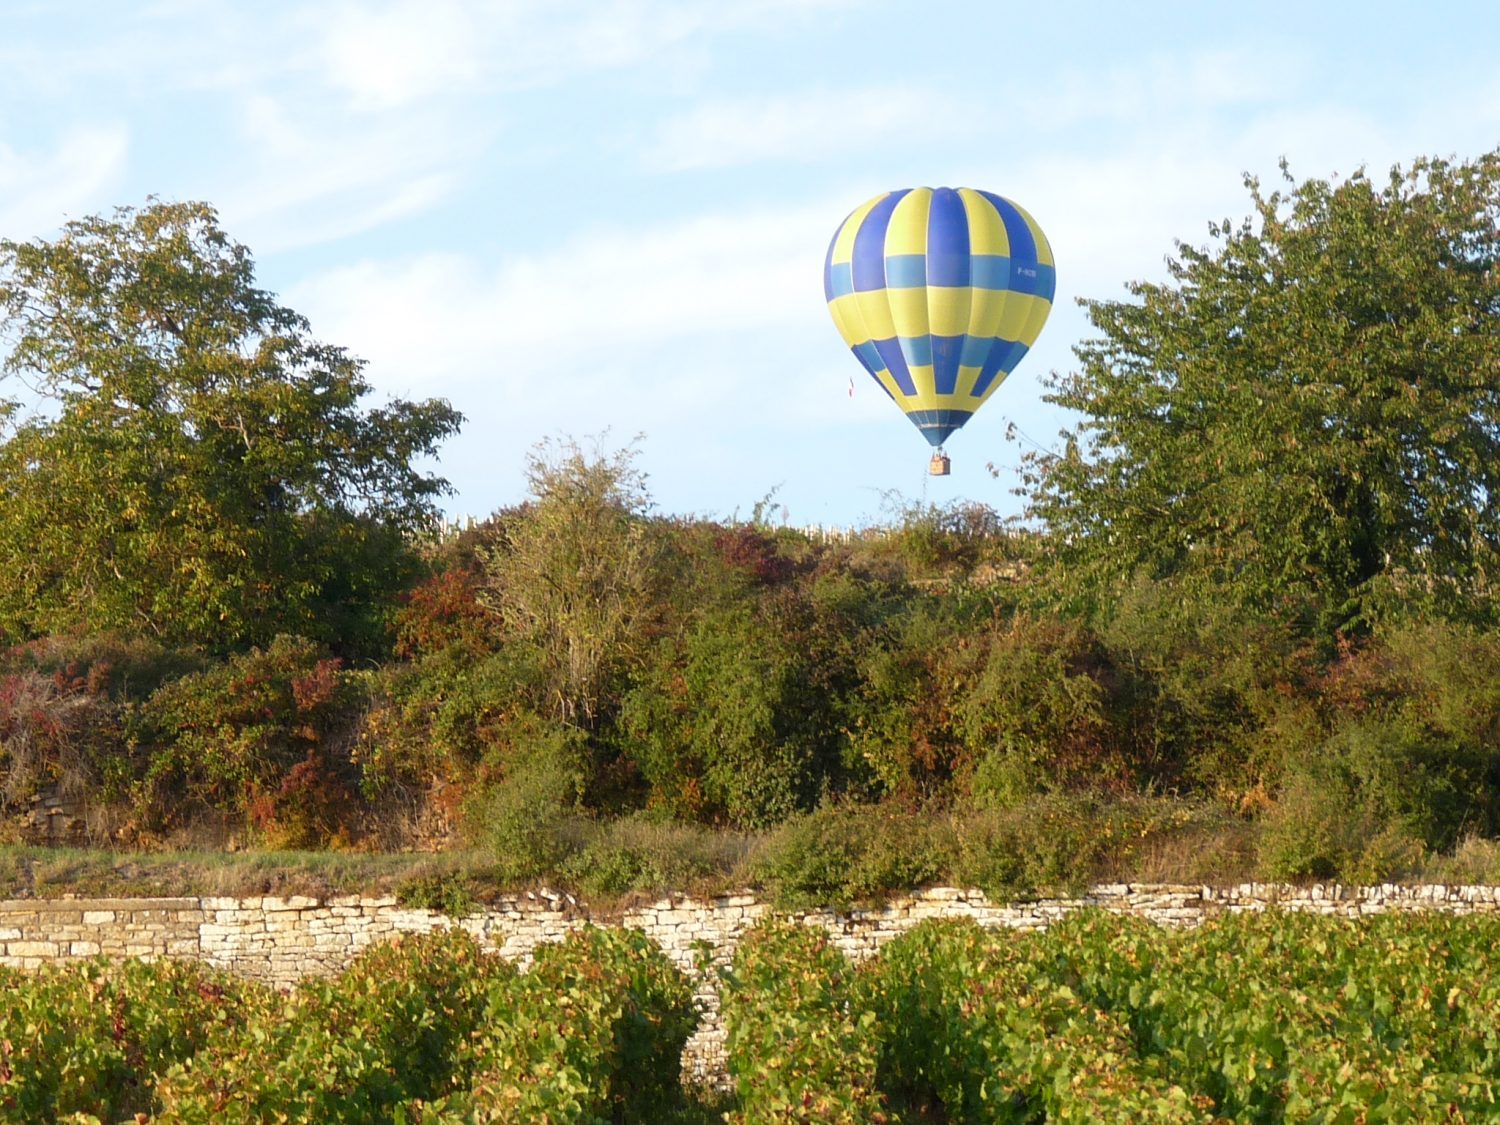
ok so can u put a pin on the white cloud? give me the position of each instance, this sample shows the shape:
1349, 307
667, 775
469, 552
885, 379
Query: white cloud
38, 191
804, 126
395, 52
1166, 87
587, 306
310, 178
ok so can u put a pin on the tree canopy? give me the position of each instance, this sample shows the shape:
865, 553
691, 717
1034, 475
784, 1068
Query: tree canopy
1305, 418
179, 456
571, 577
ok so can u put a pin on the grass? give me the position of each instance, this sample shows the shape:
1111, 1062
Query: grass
28, 871
1055, 847
1474, 862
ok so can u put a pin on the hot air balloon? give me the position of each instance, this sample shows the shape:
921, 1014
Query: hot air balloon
939, 292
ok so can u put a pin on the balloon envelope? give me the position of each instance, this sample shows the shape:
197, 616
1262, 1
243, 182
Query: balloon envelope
939, 292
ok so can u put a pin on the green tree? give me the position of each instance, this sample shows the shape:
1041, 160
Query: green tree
1306, 415
574, 575
191, 462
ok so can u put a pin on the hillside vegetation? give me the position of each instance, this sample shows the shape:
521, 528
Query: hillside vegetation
1247, 627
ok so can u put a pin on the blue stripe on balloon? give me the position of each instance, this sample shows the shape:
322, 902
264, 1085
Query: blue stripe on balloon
917, 350
990, 271
906, 271
947, 239
1022, 244
867, 355
1048, 288
976, 350
838, 281
869, 244
947, 354
1039, 280
895, 363
1002, 362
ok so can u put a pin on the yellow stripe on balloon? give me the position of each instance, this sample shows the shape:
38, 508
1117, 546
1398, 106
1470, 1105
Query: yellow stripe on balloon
986, 229
908, 311
873, 312
889, 383
964, 388
906, 233
1034, 320
922, 379
949, 309
986, 312
843, 242
841, 309
927, 399
1022, 311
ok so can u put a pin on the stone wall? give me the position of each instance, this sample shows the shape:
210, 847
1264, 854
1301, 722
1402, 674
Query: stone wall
279, 940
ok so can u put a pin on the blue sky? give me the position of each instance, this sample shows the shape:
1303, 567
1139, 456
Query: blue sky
572, 215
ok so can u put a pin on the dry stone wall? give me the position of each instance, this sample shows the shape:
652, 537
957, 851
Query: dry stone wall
280, 940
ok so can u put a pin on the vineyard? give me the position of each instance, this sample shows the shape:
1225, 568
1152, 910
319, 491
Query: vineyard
1254, 1017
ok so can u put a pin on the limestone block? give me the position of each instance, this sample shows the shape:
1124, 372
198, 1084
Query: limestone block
941, 894
31, 949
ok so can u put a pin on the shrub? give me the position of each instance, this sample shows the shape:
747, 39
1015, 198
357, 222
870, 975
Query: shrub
722, 727
846, 854
1035, 718
390, 1028
230, 738
1199, 680
643, 853
93, 1037
55, 733
1356, 810
593, 1032
753, 552
120, 666
940, 539
903, 725
441, 716
529, 815
442, 612
1063, 842
799, 1045
573, 576
446, 893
